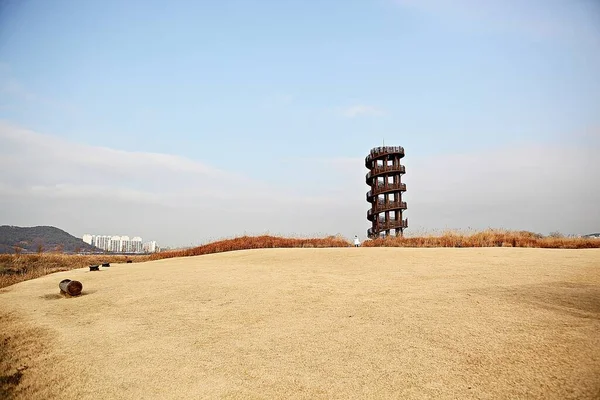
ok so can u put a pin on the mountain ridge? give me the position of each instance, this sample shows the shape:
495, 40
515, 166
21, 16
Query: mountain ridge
41, 238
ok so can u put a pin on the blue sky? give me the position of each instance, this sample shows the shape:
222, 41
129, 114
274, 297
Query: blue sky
289, 96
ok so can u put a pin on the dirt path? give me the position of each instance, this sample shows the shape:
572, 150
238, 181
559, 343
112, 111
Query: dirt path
315, 323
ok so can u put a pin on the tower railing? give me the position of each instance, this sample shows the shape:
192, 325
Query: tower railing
385, 214
384, 226
381, 151
382, 207
380, 169
382, 188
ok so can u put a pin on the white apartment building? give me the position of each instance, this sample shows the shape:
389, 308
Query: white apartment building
125, 244
136, 245
120, 244
149, 247
115, 244
89, 239
102, 242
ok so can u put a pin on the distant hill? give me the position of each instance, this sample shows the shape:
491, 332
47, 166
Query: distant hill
592, 235
32, 239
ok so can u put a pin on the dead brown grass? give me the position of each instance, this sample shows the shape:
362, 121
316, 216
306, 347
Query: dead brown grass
23, 349
369, 323
16, 268
487, 238
254, 242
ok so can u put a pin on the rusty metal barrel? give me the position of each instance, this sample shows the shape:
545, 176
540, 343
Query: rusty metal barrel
72, 288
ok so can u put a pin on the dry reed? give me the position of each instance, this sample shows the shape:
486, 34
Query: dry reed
254, 242
487, 238
15, 268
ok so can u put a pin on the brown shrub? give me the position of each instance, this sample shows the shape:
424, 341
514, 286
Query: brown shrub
17, 268
254, 242
487, 238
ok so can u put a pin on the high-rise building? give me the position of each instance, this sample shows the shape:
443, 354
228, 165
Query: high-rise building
115, 244
125, 244
136, 245
87, 238
149, 247
120, 244
102, 242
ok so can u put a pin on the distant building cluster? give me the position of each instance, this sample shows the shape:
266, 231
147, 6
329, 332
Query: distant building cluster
120, 244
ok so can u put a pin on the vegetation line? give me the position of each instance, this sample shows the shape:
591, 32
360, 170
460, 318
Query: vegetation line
489, 238
16, 268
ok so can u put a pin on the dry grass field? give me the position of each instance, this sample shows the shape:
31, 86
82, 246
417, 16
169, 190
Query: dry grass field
16, 268
401, 323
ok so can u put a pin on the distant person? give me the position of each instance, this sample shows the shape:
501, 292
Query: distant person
356, 241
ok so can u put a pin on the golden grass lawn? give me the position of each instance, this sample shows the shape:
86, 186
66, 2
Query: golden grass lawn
314, 323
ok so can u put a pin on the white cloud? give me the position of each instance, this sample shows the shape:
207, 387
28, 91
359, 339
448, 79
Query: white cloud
44, 160
538, 187
45, 180
362, 110
49, 180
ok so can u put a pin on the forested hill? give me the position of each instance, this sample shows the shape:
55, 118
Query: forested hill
36, 238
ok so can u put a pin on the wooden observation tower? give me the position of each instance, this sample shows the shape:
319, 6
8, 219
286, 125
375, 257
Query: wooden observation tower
385, 196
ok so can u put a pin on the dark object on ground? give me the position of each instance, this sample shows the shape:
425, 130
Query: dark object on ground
72, 288
129, 261
94, 268
12, 380
106, 264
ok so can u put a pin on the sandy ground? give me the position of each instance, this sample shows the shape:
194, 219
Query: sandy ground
315, 323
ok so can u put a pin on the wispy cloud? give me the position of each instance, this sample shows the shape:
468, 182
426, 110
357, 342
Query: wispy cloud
169, 197
48, 180
360, 110
514, 187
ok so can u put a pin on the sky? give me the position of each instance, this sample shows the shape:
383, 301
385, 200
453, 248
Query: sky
190, 121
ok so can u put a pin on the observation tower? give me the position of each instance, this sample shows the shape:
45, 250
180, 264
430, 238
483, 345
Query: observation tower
385, 196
